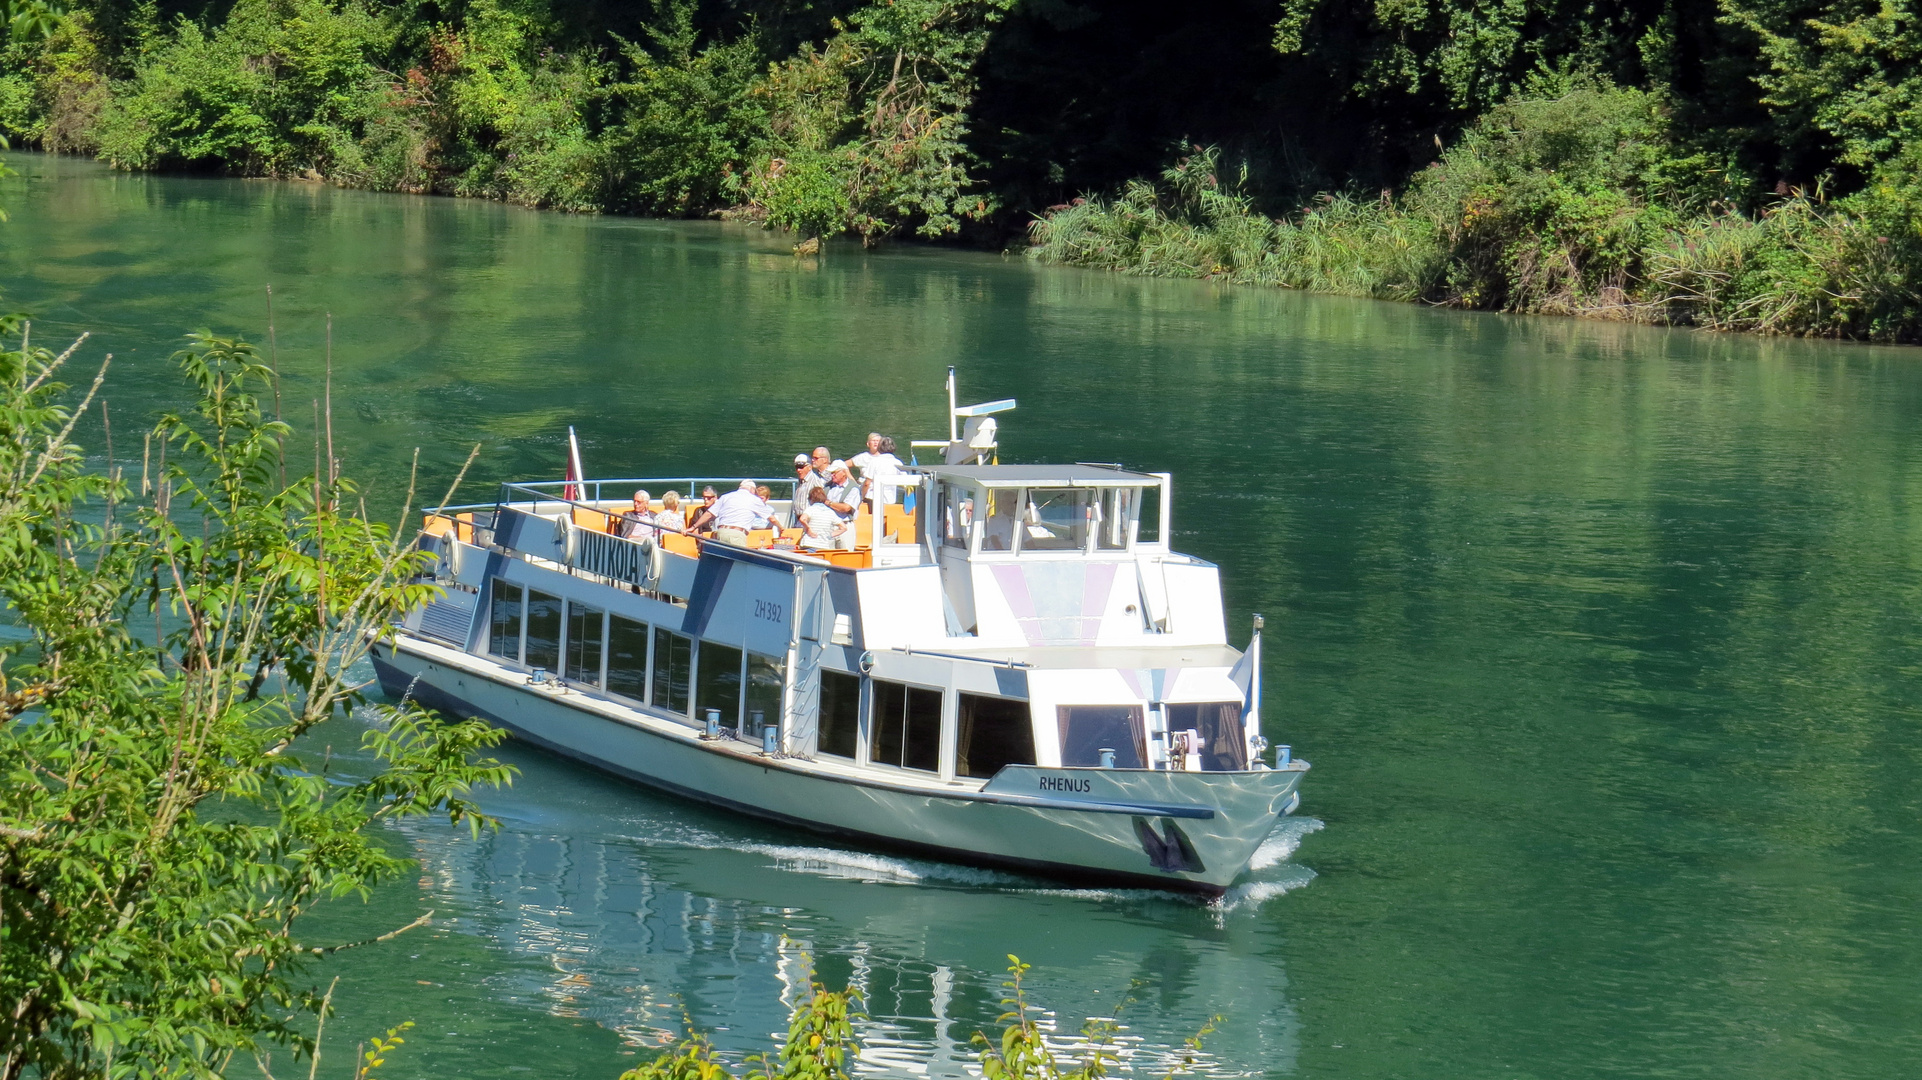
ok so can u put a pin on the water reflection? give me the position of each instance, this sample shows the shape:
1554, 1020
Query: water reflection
645, 915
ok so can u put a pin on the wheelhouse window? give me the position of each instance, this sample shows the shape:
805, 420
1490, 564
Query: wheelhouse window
840, 713
673, 670
543, 645
583, 645
627, 658
907, 726
764, 685
1223, 741
956, 515
993, 732
717, 682
504, 637
1117, 506
1086, 730
1059, 519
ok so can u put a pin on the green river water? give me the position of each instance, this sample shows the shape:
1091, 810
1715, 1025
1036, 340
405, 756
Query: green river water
1604, 642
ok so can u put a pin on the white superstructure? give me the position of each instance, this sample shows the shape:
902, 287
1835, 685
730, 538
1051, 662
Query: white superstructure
1019, 672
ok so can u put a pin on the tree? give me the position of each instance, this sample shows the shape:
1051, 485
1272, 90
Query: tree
162, 827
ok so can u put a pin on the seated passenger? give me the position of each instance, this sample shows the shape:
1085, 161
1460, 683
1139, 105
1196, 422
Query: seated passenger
638, 523
708, 498
737, 513
821, 527
670, 519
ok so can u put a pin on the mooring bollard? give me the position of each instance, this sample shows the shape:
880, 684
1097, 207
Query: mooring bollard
771, 740
1107, 757
1282, 756
714, 723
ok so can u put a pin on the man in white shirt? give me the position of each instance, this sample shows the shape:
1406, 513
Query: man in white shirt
737, 512
879, 467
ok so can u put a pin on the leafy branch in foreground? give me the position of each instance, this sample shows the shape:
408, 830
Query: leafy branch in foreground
821, 1043
160, 831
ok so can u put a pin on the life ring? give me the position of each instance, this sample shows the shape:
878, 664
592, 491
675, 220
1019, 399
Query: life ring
656, 558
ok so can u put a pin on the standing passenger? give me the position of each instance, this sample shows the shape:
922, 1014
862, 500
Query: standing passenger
880, 469
735, 514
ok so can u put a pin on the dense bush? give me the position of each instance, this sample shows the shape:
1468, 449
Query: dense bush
1579, 203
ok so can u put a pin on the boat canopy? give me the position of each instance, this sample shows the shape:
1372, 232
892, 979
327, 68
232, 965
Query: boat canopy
1020, 476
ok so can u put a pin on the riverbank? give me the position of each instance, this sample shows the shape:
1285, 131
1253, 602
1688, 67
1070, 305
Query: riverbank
1579, 204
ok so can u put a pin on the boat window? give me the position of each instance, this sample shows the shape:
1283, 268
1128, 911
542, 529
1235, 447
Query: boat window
717, 683
907, 726
673, 664
1116, 505
583, 645
504, 640
840, 712
1057, 519
1087, 729
764, 678
993, 732
1148, 527
1224, 745
627, 658
957, 514
543, 647
997, 532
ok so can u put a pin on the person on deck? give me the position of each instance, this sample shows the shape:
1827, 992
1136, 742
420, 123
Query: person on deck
844, 491
638, 523
670, 519
704, 511
735, 514
821, 527
879, 467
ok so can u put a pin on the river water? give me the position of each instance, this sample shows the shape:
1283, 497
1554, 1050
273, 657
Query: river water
1604, 641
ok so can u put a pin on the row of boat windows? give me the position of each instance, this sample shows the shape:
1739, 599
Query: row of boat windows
590, 647
654, 665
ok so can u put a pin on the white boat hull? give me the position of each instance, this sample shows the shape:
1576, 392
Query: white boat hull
1187, 831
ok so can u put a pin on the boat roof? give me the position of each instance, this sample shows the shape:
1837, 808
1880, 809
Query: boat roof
1000, 476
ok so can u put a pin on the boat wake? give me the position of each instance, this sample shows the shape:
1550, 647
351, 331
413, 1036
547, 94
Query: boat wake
1271, 874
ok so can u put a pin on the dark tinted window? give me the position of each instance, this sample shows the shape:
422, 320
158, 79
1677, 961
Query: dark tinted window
718, 675
840, 712
1223, 746
583, 645
543, 649
993, 732
504, 640
1087, 729
907, 726
673, 663
627, 658
764, 686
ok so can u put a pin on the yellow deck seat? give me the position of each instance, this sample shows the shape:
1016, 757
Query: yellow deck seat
590, 519
680, 544
898, 522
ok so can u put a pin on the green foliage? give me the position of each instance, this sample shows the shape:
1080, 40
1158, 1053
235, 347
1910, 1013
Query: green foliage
821, 1044
1846, 72
161, 829
1581, 203
264, 92
689, 120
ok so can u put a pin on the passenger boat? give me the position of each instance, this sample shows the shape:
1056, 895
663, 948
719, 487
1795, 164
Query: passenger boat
1011, 668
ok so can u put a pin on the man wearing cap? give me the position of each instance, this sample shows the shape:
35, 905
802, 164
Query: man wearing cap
844, 497
805, 480
736, 512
